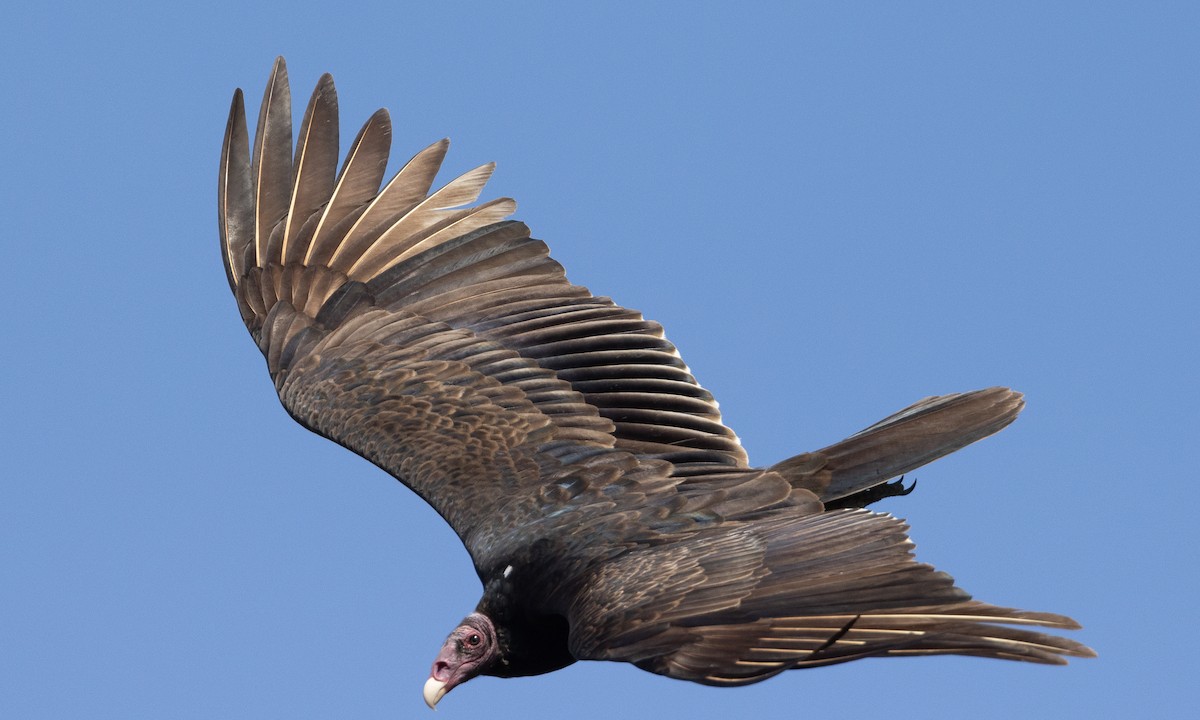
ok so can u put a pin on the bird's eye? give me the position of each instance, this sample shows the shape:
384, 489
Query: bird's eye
473, 639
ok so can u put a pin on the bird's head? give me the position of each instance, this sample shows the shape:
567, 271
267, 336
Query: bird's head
472, 648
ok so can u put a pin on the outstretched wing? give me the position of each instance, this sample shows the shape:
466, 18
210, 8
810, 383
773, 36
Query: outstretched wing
742, 604
437, 340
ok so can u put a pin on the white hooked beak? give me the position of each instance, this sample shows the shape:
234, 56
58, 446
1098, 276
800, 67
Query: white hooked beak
433, 691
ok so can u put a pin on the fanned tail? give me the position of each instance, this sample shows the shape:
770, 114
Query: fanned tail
919, 434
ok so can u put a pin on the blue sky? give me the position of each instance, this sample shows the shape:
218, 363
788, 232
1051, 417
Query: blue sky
834, 208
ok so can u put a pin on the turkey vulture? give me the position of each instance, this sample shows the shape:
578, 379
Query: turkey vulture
608, 511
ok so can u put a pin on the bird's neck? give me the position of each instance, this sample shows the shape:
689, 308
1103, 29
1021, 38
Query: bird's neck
532, 646
532, 632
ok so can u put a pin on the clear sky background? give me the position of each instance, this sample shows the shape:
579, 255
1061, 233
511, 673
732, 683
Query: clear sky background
834, 208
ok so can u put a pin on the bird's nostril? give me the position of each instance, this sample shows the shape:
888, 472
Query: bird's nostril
441, 670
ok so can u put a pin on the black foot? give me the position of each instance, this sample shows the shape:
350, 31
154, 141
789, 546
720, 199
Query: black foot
873, 494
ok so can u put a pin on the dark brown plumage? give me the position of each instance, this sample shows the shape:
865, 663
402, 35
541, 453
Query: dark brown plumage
609, 512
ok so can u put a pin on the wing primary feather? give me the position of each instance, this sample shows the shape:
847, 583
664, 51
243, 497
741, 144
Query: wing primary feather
234, 209
403, 233
362, 172
272, 163
456, 224
316, 162
402, 192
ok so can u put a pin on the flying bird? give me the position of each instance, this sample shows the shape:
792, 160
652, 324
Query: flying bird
609, 512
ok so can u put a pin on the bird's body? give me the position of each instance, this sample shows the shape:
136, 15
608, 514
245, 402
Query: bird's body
609, 512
